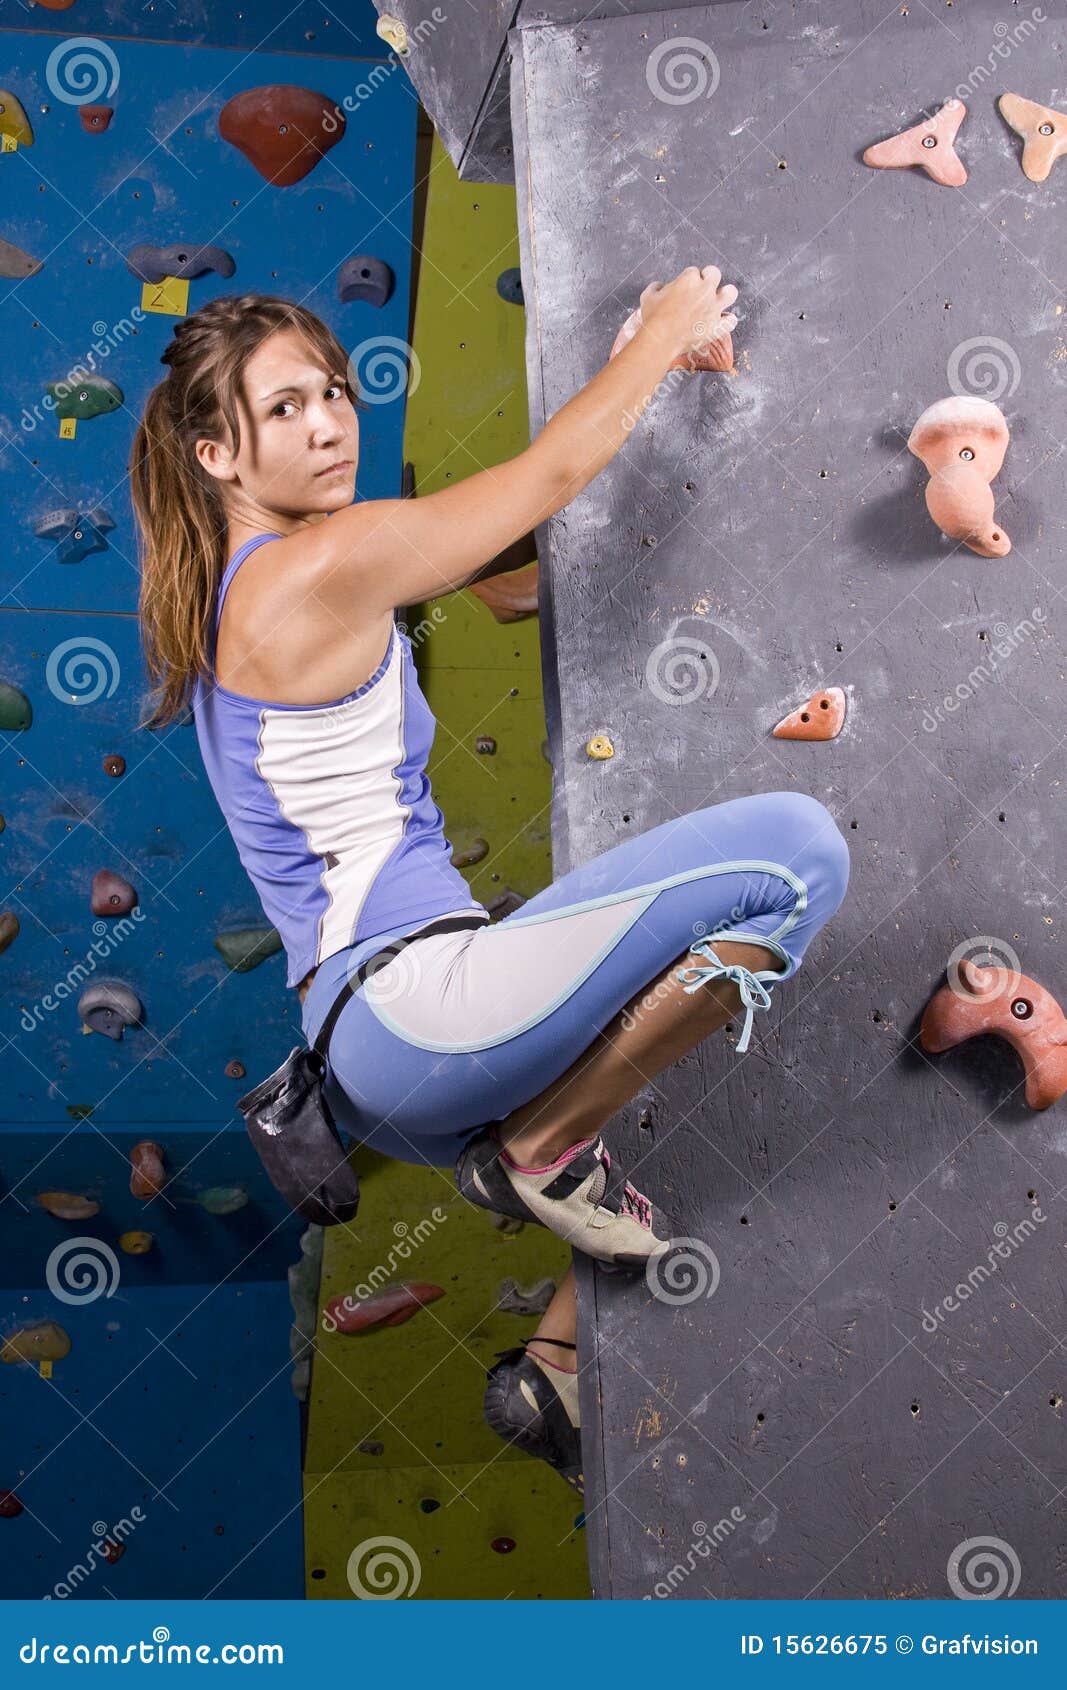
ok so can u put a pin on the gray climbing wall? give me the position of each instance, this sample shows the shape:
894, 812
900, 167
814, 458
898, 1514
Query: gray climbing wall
824, 1424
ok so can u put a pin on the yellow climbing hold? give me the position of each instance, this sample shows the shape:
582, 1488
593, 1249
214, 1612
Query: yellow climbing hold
14, 124
68, 1205
136, 1243
599, 747
44, 1341
392, 32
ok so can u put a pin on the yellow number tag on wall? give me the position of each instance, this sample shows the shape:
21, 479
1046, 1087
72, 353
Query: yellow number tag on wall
46, 1368
67, 427
171, 296
8, 144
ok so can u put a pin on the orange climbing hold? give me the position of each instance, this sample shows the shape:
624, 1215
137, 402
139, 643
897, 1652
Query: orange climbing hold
962, 441
822, 717
1016, 1008
1043, 130
356, 1316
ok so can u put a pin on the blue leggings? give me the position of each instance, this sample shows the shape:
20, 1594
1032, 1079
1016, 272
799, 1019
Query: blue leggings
462, 1027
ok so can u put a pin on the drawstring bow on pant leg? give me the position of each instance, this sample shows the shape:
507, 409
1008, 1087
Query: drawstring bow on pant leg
754, 994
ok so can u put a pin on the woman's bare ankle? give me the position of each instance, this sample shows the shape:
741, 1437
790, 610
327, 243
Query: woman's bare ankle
535, 1147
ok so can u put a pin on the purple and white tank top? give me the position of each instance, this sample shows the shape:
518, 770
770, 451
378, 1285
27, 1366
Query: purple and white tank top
330, 806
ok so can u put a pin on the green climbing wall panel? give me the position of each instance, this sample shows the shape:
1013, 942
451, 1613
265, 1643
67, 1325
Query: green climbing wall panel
430, 1474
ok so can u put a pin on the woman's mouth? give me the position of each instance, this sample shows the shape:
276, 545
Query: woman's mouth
334, 469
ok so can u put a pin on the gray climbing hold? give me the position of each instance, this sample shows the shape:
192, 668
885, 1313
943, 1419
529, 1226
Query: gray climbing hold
509, 287
76, 535
222, 1199
304, 1277
15, 263
247, 947
514, 1298
364, 277
109, 1006
509, 1225
181, 259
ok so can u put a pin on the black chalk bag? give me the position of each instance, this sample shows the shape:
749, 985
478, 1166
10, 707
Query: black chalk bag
289, 1120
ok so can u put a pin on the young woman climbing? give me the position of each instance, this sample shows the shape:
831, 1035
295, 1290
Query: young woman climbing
269, 604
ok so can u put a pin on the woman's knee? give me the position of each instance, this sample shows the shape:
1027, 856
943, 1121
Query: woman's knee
816, 849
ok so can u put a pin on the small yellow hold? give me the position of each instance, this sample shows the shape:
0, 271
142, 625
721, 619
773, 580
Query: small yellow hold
136, 1243
599, 747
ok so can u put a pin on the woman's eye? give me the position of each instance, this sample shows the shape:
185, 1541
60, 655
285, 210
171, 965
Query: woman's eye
280, 407
335, 387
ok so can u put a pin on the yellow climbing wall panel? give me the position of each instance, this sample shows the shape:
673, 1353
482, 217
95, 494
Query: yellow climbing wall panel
397, 1447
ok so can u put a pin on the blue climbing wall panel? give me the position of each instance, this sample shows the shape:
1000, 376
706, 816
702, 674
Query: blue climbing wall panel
175, 1397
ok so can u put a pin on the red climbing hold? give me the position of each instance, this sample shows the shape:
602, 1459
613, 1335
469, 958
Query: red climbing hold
282, 130
111, 895
502, 1545
1005, 1002
148, 1177
10, 1506
114, 765
356, 1315
95, 119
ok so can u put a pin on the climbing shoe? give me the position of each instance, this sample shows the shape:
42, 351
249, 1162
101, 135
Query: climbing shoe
524, 1407
569, 1196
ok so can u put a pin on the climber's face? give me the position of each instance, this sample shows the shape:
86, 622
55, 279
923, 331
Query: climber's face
299, 436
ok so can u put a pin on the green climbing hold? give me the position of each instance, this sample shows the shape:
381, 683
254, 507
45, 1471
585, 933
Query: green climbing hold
94, 396
223, 1199
16, 711
247, 947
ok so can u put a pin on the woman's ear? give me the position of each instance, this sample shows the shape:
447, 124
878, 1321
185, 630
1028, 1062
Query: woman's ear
217, 459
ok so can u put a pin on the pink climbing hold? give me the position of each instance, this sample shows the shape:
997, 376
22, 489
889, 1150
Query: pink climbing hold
355, 1316
111, 894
